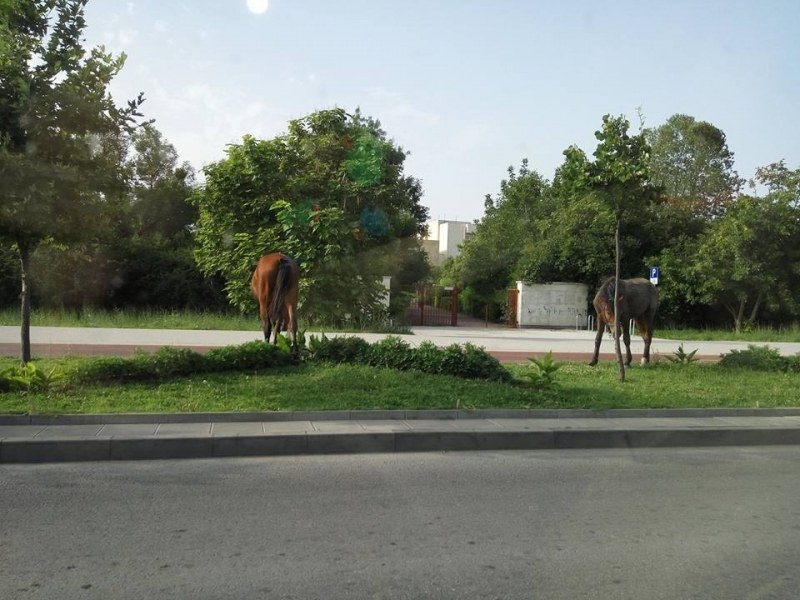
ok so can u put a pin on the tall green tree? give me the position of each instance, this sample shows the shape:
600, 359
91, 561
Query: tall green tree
750, 258
54, 113
782, 182
489, 262
332, 192
618, 175
691, 162
161, 187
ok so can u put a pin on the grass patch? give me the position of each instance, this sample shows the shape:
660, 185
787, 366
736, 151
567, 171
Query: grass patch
789, 333
319, 386
164, 319
135, 319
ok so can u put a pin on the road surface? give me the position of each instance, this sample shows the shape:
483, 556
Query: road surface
680, 523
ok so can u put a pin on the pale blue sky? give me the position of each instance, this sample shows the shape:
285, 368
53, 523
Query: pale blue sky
468, 87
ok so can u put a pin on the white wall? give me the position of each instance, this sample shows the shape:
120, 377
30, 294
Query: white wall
552, 305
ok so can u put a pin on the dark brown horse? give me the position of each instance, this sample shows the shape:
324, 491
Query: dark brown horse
637, 300
274, 285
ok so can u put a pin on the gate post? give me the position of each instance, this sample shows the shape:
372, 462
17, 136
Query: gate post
511, 307
421, 302
454, 306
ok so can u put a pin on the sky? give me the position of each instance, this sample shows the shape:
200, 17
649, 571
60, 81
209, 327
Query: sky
467, 87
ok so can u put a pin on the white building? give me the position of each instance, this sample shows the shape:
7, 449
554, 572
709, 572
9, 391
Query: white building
445, 237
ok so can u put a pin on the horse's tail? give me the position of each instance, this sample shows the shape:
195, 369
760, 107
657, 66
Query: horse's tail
283, 280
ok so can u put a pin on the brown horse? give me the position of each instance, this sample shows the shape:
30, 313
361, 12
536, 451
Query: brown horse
637, 300
274, 285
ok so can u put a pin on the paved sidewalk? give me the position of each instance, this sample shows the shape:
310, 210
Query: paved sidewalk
32, 439
505, 343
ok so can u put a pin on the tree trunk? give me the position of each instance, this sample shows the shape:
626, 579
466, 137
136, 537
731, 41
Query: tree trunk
618, 325
756, 306
25, 302
739, 318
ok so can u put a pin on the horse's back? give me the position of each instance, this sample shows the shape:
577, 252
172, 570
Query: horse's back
642, 296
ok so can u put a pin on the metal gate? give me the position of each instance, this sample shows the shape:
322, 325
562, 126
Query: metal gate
432, 305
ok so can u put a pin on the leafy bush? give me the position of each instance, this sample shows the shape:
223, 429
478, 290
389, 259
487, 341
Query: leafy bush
338, 349
681, 357
26, 378
467, 361
757, 358
471, 362
430, 358
179, 362
543, 375
111, 369
392, 353
171, 362
250, 355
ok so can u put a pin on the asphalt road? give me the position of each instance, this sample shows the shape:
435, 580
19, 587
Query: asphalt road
679, 523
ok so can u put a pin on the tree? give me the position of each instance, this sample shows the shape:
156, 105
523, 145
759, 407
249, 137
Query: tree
691, 162
54, 114
162, 188
783, 183
750, 258
331, 192
489, 262
619, 176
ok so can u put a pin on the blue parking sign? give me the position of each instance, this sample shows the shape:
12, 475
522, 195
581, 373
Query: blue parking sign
654, 274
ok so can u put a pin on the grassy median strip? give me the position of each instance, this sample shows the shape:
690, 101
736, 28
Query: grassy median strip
320, 386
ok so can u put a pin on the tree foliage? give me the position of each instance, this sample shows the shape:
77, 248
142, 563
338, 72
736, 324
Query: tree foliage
55, 113
489, 263
750, 258
332, 193
691, 162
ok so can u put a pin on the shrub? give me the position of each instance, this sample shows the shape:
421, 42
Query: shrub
391, 352
544, 373
472, 362
111, 369
468, 360
247, 356
429, 358
179, 362
681, 357
338, 349
757, 358
171, 362
26, 378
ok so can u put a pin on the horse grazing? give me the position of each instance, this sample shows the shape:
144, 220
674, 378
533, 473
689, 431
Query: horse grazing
637, 300
274, 285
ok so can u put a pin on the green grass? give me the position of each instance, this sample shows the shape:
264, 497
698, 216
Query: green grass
163, 319
139, 319
789, 333
348, 387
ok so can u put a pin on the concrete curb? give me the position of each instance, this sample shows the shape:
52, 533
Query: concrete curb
448, 432
103, 449
362, 415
